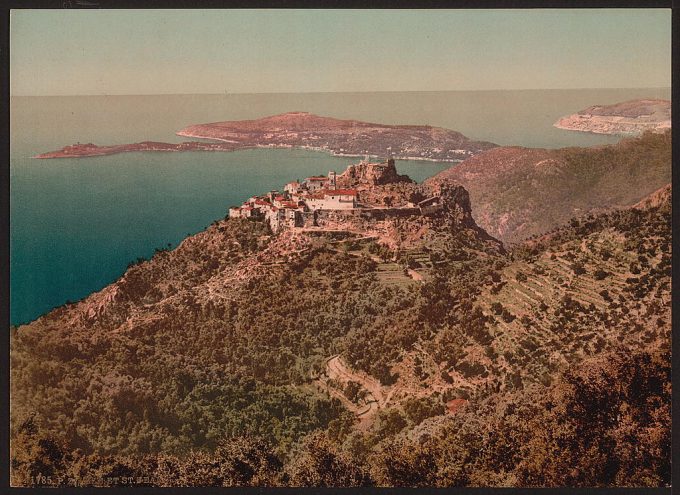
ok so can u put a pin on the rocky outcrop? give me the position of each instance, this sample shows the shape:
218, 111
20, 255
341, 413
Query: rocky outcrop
656, 199
415, 215
371, 174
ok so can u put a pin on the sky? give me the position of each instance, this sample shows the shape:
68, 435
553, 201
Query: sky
100, 52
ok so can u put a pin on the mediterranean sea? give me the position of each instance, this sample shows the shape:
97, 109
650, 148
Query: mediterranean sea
75, 224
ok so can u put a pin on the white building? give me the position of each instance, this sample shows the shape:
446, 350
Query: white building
314, 184
292, 187
333, 199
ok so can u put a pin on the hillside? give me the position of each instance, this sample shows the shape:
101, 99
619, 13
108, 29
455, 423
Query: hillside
628, 117
519, 192
219, 317
318, 357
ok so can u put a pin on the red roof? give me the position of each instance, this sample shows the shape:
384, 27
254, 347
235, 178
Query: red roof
290, 205
340, 192
316, 178
279, 198
261, 202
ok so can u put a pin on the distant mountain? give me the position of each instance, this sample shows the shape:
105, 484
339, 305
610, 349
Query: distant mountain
521, 192
629, 117
343, 137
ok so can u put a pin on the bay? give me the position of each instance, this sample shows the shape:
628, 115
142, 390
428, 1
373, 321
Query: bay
75, 224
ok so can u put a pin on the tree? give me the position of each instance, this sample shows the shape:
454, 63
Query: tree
36, 458
418, 410
390, 422
321, 464
578, 268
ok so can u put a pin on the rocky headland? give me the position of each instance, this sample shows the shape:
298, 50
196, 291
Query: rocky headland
90, 149
627, 118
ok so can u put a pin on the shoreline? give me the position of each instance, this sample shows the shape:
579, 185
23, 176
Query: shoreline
657, 129
175, 148
302, 130
316, 148
591, 131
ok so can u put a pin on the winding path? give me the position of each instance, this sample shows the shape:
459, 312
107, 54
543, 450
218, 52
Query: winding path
337, 369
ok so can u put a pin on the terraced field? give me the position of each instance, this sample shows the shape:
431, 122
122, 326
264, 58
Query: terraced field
572, 302
599, 284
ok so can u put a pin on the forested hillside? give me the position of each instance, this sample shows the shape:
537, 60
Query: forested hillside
519, 192
208, 365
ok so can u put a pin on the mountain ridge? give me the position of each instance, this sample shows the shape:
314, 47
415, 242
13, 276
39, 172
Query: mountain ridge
519, 192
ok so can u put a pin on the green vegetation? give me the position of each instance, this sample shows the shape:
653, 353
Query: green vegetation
201, 366
577, 432
519, 193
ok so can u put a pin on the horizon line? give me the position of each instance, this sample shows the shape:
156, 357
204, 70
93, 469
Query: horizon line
335, 92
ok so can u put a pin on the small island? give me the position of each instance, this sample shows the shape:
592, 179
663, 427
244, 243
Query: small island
306, 131
628, 118
90, 149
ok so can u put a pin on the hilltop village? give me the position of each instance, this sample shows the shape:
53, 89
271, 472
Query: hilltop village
310, 202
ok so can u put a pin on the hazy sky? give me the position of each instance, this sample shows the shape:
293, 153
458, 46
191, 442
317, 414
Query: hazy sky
66, 52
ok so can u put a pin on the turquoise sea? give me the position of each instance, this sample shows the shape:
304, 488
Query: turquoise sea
75, 224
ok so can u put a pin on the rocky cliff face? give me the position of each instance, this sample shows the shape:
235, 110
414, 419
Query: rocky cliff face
371, 174
409, 215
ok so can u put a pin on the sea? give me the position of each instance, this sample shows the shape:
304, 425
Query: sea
75, 224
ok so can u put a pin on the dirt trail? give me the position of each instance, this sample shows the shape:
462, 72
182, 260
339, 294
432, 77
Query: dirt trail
376, 398
338, 369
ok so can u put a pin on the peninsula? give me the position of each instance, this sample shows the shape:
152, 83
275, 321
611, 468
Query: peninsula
627, 118
306, 131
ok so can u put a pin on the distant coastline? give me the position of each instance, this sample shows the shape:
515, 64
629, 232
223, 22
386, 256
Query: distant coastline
306, 131
93, 150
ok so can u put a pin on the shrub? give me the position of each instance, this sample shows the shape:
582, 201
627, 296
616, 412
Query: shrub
578, 268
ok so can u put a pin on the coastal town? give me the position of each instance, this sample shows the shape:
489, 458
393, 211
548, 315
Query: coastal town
305, 203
